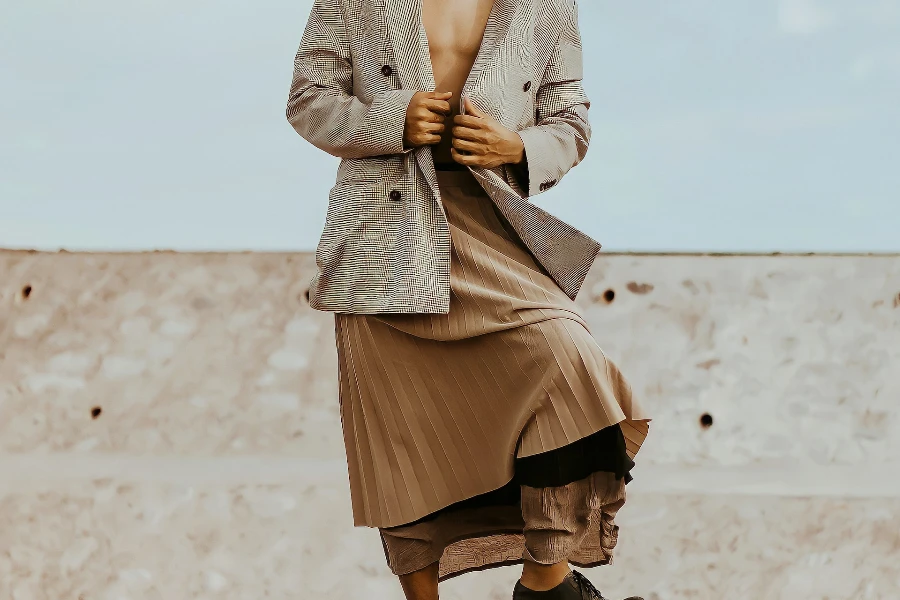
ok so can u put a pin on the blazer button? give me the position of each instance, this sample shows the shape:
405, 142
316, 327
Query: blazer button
527, 86
387, 70
395, 194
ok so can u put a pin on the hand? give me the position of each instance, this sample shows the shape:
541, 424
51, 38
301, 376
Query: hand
479, 140
425, 118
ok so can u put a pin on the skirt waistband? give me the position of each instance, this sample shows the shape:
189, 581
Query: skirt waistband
458, 178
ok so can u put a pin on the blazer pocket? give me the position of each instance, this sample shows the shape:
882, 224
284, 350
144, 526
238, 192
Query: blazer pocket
361, 223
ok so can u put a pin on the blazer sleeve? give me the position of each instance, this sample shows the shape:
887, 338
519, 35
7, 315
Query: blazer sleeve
559, 140
321, 106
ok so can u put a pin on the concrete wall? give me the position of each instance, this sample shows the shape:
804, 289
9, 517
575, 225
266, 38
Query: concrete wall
169, 430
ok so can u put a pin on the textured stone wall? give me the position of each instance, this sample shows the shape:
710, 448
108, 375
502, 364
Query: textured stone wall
169, 430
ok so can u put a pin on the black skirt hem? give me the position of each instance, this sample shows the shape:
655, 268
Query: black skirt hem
603, 450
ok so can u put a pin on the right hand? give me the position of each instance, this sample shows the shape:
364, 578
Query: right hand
425, 118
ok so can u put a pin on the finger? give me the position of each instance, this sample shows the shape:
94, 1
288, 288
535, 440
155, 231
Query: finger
427, 138
433, 127
464, 159
438, 106
437, 94
469, 121
466, 145
427, 116
467, 133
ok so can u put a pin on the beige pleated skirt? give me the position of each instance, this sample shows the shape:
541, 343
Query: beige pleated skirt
436, 407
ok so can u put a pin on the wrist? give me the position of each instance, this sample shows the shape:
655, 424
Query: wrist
518, 156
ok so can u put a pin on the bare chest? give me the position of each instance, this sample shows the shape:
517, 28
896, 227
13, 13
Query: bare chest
455, 31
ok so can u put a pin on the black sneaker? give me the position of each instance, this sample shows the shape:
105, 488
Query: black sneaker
587, 589
574, 586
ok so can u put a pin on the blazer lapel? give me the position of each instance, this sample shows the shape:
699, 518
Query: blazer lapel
495, 34
406, 32
409, 42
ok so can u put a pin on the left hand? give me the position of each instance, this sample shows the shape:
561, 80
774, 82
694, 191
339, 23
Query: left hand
484, 140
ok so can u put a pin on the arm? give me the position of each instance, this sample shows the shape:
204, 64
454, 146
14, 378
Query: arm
321, 106
559, 139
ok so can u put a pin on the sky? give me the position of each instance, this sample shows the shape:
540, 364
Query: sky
739, 126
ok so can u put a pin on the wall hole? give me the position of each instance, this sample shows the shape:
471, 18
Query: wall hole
26, 291
95, 412
706, 421
306, 295
609, 295
639, 288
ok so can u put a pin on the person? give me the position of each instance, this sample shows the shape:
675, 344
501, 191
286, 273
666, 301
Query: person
483, 424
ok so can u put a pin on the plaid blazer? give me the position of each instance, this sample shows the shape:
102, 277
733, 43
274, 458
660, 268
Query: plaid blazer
385, 246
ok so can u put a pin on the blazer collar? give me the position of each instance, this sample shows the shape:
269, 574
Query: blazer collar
410, 42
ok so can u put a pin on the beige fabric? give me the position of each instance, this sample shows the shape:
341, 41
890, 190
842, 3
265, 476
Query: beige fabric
574, 522
385, 245
434, 407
